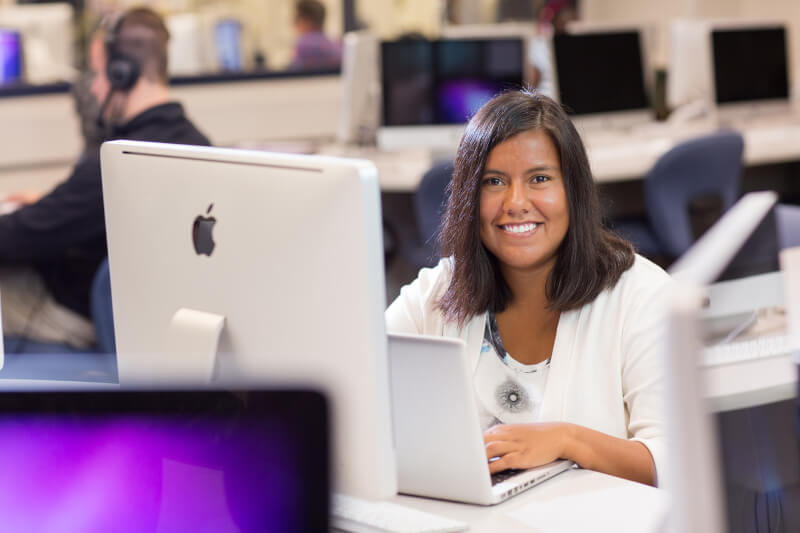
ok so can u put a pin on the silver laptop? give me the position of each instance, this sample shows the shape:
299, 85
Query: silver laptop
438, 439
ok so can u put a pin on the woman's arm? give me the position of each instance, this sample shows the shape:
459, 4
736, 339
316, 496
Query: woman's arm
529, 445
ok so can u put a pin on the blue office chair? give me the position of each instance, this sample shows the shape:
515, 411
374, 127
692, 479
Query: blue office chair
27, 359
787, 218
698, 169
429, 203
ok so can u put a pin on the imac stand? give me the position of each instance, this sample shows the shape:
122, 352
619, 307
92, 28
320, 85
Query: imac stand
190, 347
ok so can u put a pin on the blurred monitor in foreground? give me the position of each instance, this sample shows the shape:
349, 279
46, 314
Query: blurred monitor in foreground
728, 308
138, 461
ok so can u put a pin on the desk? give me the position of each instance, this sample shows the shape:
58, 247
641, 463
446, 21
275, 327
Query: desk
757, 382
641, 510
614, 157
750, 383
398, 171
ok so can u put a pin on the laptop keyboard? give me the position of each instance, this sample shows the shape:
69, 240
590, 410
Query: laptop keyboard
503, 475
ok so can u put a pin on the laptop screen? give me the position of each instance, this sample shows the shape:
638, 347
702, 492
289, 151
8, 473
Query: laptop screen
163, 461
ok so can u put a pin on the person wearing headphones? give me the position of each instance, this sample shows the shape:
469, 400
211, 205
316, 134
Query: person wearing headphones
52, 244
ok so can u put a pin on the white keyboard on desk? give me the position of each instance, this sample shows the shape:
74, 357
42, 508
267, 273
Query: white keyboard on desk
745, 350
362, 516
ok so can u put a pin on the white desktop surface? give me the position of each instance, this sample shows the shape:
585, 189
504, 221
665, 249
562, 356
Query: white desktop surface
398, 171
750, 383
559, 506
756, 382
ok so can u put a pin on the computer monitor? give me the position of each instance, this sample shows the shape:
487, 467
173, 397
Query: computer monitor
233, 265
602, 73
154, 460
227, 38
430, 89
695, 480
750, 64
47, 37
689, 80
359, 114
191, 48
10, 56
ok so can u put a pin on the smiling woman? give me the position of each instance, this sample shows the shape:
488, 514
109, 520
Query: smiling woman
523, 205
562, 318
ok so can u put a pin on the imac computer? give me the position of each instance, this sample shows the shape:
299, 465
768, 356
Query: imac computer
10, 57
750, 67
708, 464
242, 266
191, 48
47, 39
688, 89
359, 115
430, 89
600, 77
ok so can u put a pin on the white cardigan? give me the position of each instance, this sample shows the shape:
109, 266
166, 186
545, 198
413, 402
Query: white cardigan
607, 366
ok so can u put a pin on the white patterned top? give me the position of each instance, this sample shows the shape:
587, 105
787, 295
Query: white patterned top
508, 391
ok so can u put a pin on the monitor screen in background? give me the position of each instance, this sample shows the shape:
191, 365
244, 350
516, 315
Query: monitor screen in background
600, 72
408, 78
446, 81
163, 461
10, 56
750, 64
227, 39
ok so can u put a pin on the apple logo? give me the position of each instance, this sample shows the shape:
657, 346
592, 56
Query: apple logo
201, 233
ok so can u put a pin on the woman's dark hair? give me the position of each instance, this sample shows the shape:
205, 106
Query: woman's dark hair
589, 259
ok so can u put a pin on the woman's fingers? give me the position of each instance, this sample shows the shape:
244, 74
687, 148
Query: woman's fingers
499, 448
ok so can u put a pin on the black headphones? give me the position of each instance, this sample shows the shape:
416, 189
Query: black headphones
122, 70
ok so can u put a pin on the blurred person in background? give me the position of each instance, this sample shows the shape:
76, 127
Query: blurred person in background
551, 17
52, 243
313, 49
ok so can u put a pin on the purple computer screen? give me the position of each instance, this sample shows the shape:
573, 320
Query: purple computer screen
142, 472
10, 56
458, 100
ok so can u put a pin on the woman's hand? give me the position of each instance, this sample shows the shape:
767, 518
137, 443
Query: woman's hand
525, 445
528, 445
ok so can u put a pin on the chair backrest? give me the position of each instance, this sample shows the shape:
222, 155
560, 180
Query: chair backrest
100, 306
788, 221
429, 202
708, 165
